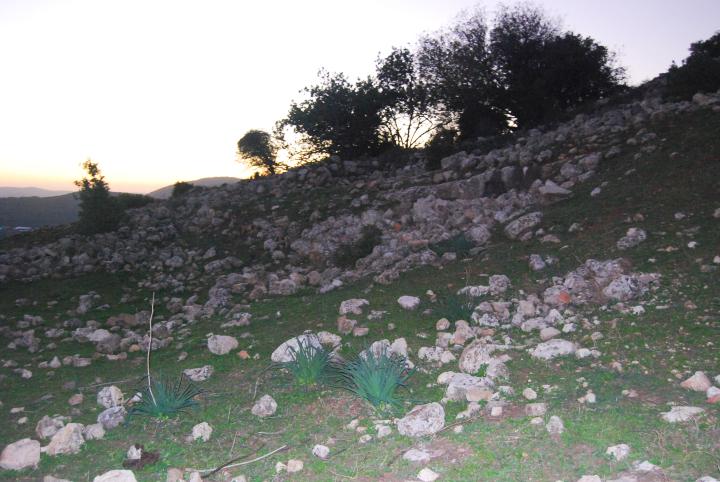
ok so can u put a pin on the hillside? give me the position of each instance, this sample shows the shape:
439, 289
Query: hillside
29, 192
557, 298
38, 211
165, 192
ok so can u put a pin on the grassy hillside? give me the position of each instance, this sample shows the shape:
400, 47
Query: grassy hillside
672, 193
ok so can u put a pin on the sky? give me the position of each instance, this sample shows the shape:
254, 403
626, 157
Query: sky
159, 91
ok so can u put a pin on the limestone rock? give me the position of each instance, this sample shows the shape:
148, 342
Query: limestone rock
110, 396
552, 349
116, 476
47, 427
521, 225
422, 420
199, 374
409, 302
20, 455
264, 407
285, 352
353, 306
202, 431
699, 382
321, 451
67, 440
428, 475
681, 414
112, 417
222, 344
619, 452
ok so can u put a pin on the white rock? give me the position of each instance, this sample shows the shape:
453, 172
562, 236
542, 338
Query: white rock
549, 333
67, 440
202, 431
47, 427
535, 409
110, 396
116, 476
681, 414
285, 352
264, 407
321, 451
619, 452
416, 455
222, 344
529, 394
409, 302
553, 348
94, 431
199, 374
712, 392
294, 465
699, 382
354, 306
422, 420
707, 478
20, 455
134, 453
427, 475
589, 478
555, 426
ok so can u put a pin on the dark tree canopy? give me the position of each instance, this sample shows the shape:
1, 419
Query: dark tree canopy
99, 212
337, 118
700, 72
258, 150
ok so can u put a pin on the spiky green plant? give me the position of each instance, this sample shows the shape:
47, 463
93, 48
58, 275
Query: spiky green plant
167, 397
376, 378
457, 307
311, 365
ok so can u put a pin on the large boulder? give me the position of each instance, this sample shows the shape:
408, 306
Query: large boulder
422, 420
20, 455
553, 348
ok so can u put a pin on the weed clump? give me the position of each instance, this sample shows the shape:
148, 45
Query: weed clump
311, 365
167, 398
376, 378
457, 307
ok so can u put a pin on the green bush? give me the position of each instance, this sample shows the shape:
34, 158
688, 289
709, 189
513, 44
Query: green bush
310, 365
376, 378
459, 245
347, 255
99, 211
700, 72
167, 399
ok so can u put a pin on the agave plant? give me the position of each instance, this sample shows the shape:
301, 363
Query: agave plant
376, 377
163, 397
310, 364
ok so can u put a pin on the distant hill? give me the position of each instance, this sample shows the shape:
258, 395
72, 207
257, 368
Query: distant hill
28, 192
38, 211
165, 192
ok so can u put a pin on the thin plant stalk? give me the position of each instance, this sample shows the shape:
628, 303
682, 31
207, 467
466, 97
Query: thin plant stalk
152, 312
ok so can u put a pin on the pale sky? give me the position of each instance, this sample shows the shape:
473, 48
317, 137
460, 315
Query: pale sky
158, 91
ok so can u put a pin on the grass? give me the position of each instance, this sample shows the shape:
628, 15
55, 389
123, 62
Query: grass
310, 365
165, 397
656, 350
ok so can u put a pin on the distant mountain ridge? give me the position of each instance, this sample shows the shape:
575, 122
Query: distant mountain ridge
36, 211
8, 191
166, 192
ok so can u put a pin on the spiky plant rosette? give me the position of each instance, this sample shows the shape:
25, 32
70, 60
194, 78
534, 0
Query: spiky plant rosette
310, 365
457, 307
376, 377
166, 397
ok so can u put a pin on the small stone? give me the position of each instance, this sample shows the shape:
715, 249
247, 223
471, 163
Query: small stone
549, 333
619, 452
427, 475
94, 432
202, 431
47, 427
134, 453
222, 344
529, 394
417, 456
110, 396
360, 331
112, 417
321, 451
589, 478
535, 409
294, 465
422, 420
409, 302
552, 349
365, 438
555, 426
442, 324
496, 411
116, 476
199, 374
76, 399
383, 431
353, 306
264, 407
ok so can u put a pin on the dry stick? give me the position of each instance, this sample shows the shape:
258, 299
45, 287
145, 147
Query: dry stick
152, 312
226, 466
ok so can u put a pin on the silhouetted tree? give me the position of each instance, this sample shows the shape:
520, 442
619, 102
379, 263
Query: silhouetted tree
337, 118
99, 212
258, 150
699, 72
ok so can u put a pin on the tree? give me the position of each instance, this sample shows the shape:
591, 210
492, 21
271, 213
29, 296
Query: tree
99, 212
700, 72
457, 66
258, 150
409, 116
542, 71
338, 118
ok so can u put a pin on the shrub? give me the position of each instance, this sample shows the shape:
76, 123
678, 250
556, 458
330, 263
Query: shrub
132, 201
167, 398
459, 245
376, 378
180, 188
700, 72
99, 212
347, 255
442, 144
310, 365
457, 307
